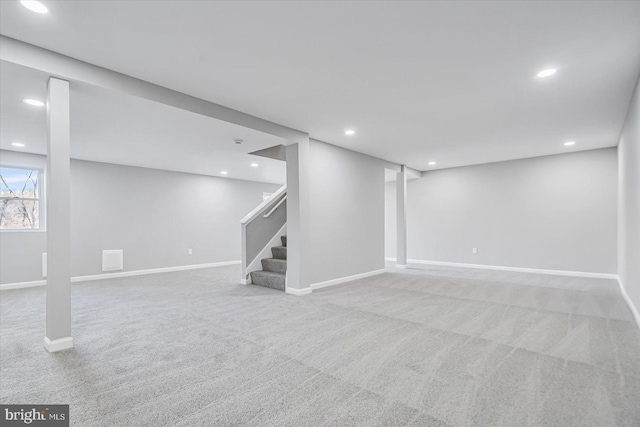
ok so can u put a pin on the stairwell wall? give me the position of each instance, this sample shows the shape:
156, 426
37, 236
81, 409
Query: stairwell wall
346, 191
629, 202
155, 216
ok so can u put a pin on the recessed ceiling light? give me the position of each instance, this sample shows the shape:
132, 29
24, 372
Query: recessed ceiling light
34, 6
254, 165
546, 73
17, 144
223, 172
349, 132
33, 102
432, 163
570, 143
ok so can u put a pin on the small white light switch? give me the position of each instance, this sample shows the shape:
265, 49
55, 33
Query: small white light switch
474, 250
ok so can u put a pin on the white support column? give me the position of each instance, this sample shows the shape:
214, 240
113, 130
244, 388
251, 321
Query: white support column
58, 199
401, 217
298, 213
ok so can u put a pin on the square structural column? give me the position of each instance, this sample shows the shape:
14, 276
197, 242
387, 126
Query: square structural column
401, 218
58, 223
298, 218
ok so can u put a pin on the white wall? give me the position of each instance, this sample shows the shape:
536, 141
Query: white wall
347, 213
154, 215
390, 219
629, 201
554, 212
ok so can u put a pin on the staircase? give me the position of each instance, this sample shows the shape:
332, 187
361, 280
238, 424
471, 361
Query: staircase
274, 269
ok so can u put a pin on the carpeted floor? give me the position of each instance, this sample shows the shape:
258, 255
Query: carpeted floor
426, 347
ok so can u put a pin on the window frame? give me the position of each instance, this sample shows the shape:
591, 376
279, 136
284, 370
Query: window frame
41, 198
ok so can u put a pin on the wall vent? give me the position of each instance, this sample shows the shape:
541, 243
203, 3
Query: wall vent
112, 260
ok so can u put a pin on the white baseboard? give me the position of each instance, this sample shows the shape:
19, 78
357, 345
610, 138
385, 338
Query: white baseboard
54, 346
151, 271
630, 303
346, 279
20, 285
515, 269
298, 292
120, 274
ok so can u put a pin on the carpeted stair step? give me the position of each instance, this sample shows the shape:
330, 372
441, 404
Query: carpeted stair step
284, 240
274, 264
268, 279
279, 252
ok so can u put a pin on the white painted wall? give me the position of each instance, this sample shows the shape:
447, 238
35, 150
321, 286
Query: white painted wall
629, 201
347, 213
553, 212
154, 215
390, 215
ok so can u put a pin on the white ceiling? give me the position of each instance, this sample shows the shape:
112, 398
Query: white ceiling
115, 128
419, 81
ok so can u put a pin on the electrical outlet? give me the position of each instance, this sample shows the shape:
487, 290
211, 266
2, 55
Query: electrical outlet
474, 250
190, 252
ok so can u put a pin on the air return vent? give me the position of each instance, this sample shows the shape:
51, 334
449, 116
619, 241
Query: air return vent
112, 260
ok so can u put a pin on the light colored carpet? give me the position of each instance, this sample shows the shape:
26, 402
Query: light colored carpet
426, 347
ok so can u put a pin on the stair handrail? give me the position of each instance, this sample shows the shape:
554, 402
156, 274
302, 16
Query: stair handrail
275, 198
268, 214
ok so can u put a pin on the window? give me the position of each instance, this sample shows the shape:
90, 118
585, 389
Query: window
266, 196
20, 199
